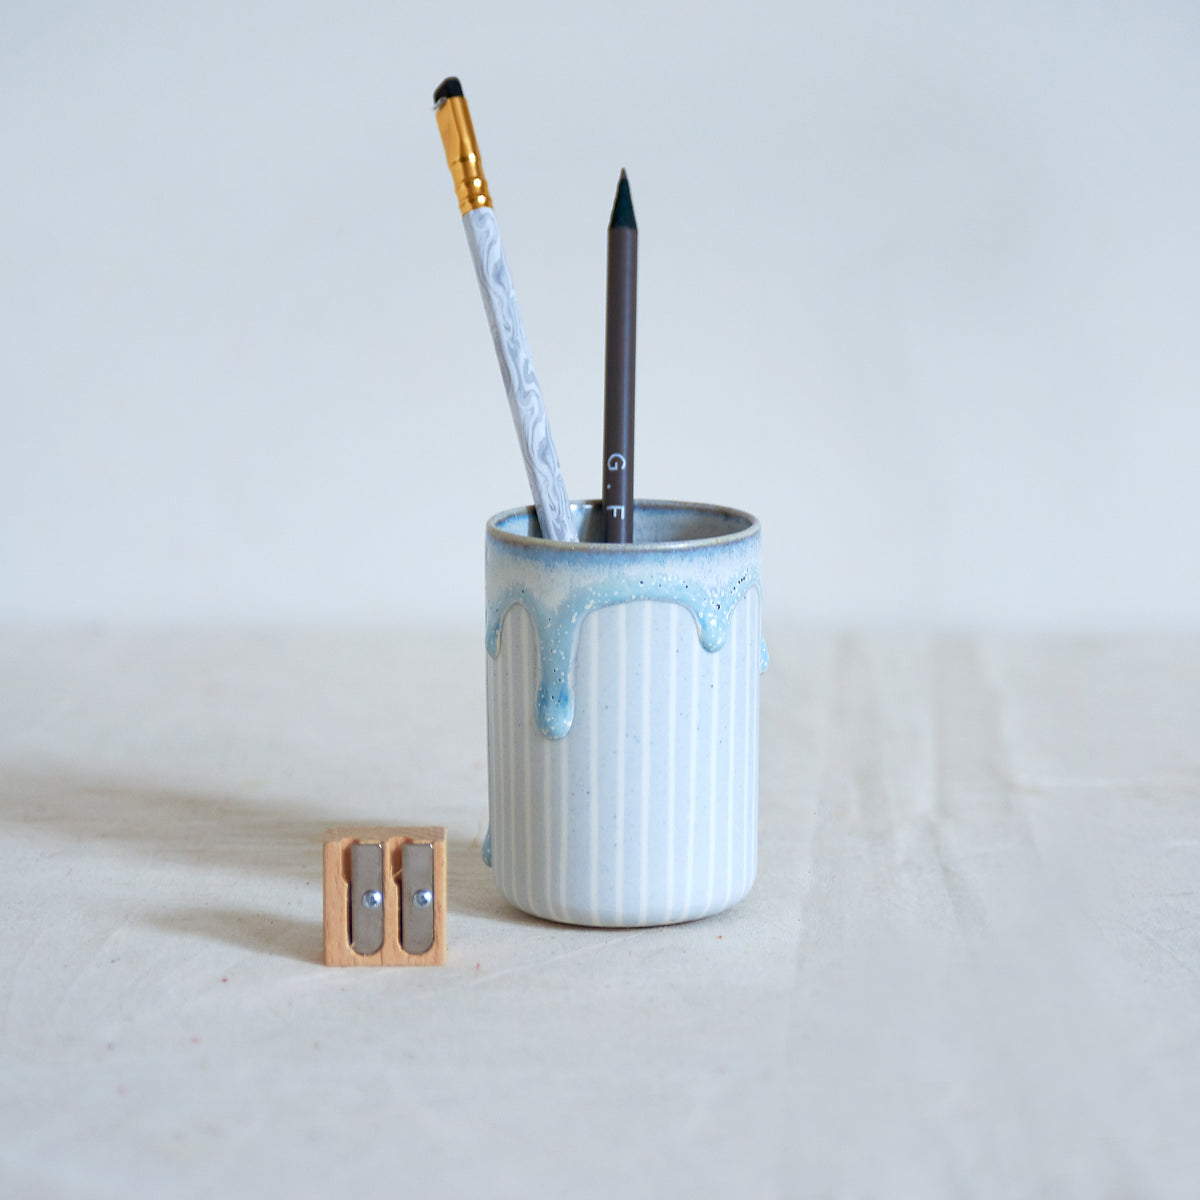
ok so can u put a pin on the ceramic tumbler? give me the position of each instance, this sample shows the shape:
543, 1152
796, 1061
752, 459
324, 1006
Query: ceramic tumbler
622, 701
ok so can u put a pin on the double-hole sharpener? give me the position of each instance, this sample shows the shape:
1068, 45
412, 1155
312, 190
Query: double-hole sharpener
385, 897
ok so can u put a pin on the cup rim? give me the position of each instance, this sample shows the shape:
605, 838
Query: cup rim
752, 529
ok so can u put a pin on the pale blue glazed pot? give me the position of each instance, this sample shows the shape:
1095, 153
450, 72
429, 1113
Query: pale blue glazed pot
623, 714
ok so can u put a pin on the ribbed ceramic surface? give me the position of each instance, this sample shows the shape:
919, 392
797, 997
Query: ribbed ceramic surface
646, 811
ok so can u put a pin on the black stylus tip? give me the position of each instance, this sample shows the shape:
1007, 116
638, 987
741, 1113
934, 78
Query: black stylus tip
622, 213
447, 88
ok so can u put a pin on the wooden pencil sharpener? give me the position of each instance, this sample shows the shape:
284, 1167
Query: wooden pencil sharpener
385, 897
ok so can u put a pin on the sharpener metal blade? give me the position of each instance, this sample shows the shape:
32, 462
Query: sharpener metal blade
366, 897
416, 897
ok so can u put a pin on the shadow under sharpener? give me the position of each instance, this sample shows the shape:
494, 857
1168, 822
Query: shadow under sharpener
385, 897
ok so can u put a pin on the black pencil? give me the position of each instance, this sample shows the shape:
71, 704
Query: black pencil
619, 356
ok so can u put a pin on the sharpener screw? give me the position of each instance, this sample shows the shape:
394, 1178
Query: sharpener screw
372, 899
423, 899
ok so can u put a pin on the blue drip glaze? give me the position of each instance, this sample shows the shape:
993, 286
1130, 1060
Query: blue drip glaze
707, 577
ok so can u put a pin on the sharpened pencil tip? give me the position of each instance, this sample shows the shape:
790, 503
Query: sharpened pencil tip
622, 213
447, 88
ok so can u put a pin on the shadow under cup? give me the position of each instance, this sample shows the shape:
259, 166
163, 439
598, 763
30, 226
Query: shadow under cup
622, 685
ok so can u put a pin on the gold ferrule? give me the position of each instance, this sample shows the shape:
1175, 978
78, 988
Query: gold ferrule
462, 154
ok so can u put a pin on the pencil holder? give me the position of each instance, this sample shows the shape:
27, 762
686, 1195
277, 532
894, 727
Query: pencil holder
622, 689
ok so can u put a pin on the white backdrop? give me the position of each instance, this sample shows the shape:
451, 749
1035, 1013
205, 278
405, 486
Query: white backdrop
919, 286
